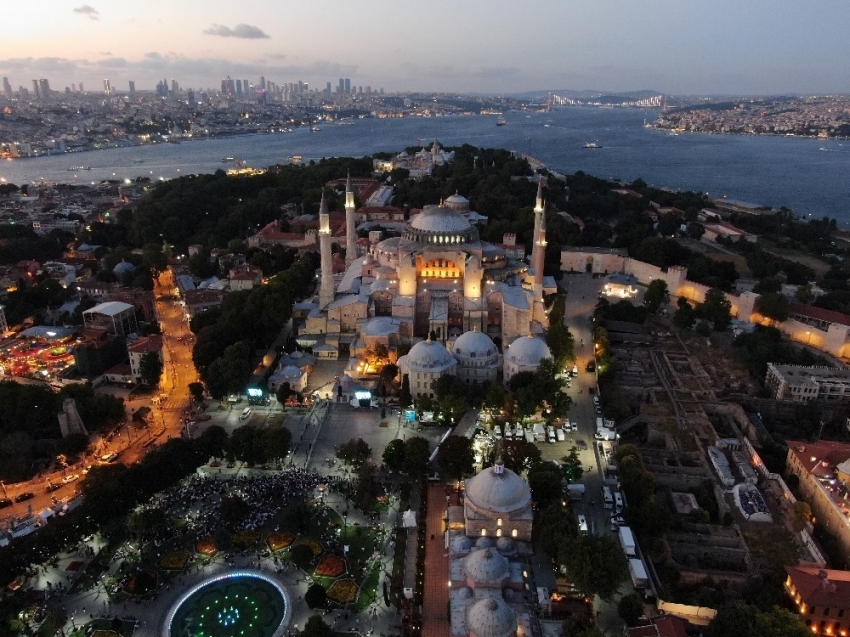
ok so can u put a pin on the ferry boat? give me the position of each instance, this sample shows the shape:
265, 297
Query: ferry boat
227, 160
315, 129
74, 169
591, 145
501, 121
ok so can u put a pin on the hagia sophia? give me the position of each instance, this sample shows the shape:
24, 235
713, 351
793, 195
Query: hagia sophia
466, 307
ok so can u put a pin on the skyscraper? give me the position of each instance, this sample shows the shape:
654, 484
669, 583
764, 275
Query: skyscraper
132, 88
341, 85
239, 88
44, 86
263, 82
246, 87
175, 89
107, 87
35, 89
347, 85
7, 88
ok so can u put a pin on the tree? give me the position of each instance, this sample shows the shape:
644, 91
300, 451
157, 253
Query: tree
519, 455
73, 444
150, 368
212, 443
544, 479
354, 452
393, 455
276, 441
594, 563
774, 306
197, 391
657, 295
302, 556
316, 627
366, 488
716, 308
695, 230
802, 515
455, 457
316, 597
495, 397
805, 294
233, 509
575, 626
684, 316
283, 392
630, 608
416, 454
572, 466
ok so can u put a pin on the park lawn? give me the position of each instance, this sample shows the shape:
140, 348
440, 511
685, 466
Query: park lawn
361, 543
368, 590
96, 567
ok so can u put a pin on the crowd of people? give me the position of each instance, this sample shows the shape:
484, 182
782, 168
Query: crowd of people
199, 498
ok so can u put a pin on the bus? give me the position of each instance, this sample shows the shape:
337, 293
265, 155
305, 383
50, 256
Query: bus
607, 498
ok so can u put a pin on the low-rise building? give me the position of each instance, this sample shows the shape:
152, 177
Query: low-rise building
138, 348
822, 597
801, 383
823, 469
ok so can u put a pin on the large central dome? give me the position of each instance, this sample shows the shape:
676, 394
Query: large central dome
439, 219
440, 225
499, 490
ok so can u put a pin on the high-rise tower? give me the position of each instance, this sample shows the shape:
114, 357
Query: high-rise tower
350, 224
539, 213
326, 286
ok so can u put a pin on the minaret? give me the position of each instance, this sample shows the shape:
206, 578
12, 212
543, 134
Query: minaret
538, 214
350, 224
539, 313
326, 286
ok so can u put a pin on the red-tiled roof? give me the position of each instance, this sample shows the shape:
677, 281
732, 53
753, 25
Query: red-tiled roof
812, 455
821, 587
664, 626
152, 343
820, 314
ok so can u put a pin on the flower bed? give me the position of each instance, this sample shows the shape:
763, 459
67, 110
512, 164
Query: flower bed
343, 591
279, 540
313, 545
330, 566
141, 584
206, 546
175, 560
245, 539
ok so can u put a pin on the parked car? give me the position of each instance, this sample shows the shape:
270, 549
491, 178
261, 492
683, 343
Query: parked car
245, 413
591, 366
23, 497
582, 524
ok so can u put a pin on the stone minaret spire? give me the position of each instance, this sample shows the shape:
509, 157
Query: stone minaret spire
350, 224
539, 311
538, 214
326, 286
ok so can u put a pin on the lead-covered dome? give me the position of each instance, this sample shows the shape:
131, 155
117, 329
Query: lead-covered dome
527, 351
498, 490
440, 225
491, 617
440, 220
428, 356
486, 568
474, 345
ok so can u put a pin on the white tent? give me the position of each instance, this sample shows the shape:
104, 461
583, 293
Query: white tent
408, 519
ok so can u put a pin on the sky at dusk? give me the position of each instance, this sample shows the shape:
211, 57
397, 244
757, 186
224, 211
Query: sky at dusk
492, 46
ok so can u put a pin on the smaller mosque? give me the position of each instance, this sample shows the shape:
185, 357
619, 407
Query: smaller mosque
487, 537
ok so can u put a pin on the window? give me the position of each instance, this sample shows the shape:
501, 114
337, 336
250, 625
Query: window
498, 532
499, 522
514, 533
483, 532
826, 612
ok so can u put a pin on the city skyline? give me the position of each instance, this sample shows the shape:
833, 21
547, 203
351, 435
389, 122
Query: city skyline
760, 47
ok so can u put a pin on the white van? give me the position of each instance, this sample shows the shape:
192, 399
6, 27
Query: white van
560, 434
245, 413
618, 501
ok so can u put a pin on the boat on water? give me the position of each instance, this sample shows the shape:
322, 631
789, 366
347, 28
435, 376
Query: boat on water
501, 121
591, 145
227, 160
315, 129
74, 169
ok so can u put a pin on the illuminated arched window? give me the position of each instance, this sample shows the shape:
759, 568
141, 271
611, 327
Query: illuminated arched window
514, 533
498, 532
483, 532
498, 521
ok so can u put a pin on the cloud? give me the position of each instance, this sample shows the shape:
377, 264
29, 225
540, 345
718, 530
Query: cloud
244, 31
89, 11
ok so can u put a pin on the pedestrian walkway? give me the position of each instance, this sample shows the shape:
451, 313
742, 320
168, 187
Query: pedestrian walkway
435, 621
